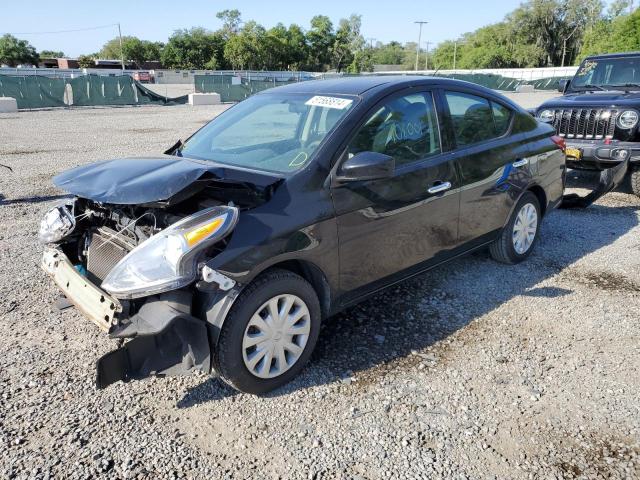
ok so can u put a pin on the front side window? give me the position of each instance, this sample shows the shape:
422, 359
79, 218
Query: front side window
476, 119
273, 131
405, 128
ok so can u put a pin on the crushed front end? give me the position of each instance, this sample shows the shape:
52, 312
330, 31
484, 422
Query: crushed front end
133, 272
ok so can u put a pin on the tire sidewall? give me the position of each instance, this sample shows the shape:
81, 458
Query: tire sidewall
516, 257
229, 355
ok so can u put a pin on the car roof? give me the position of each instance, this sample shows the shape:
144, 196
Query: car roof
613, 55
374, 86
361, 84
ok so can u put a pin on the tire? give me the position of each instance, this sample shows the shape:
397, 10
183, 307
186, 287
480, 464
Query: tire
503, 249
634, 178
232, 357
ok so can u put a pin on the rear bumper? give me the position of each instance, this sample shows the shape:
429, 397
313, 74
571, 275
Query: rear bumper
600, 156
96, 304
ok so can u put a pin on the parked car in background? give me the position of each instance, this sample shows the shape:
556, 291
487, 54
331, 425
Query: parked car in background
598, 114
142, 77
227, 252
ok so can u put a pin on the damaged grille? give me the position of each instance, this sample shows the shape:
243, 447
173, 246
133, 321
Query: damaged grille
105, 250
585, 123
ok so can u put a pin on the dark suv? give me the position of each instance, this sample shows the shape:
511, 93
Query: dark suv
599, 114
227, 252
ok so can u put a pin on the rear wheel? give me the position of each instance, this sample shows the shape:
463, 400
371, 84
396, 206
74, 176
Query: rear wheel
635, 180
269, 334
517, 239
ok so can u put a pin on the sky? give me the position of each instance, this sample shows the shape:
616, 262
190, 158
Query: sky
156, 20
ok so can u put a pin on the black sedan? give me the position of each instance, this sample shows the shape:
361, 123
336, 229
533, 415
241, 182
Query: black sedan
227, 252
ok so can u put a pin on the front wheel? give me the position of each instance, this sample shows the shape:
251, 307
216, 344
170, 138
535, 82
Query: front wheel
517, 239
269, 334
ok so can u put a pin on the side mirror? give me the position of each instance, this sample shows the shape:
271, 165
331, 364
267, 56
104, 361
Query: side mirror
562, 85
366, 166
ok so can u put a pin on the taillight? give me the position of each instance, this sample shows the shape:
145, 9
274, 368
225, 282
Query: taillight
559, 141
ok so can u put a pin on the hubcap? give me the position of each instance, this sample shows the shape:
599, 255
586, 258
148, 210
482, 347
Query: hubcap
276, 336
524, 228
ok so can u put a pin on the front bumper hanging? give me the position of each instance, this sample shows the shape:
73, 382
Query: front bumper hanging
164, 338
97, 305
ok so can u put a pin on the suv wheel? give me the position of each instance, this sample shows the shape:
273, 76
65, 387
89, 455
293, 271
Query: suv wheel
517, 239
635, 180
269, 334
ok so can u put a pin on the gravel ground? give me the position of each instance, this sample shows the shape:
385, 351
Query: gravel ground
474, 370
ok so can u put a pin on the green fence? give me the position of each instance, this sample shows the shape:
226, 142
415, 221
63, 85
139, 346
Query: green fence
234, 89
33, 91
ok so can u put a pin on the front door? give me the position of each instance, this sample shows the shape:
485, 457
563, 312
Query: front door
390, 225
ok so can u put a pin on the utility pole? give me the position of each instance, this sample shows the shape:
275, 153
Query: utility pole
121, 50
419, 40
455, 53
426, 61
371, 40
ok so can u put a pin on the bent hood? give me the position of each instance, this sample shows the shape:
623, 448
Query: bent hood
129, 181
596, 99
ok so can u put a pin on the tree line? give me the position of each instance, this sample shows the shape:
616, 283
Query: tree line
539, 33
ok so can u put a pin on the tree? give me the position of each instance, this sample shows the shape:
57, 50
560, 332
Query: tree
51, 54
320, 39
14, 52
196, 48
86, 61
620, 7
133, 48
348, 41
620, 34
248, 48
390, 54
231, 21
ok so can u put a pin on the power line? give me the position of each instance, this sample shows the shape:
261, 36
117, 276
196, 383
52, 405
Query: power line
64, 31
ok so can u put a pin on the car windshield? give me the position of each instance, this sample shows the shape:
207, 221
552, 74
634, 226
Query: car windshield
276, 132
608, 73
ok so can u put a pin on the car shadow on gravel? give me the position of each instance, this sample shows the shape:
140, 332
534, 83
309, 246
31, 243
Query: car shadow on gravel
387, 333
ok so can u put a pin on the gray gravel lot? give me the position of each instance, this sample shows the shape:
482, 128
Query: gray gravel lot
474, 370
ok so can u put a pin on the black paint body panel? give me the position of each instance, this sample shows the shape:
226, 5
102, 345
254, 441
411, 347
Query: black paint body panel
360, 236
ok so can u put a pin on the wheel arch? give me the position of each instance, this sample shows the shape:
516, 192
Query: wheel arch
541, 195
312, 274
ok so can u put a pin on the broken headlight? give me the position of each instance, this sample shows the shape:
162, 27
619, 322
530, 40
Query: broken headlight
168, 260
57, 223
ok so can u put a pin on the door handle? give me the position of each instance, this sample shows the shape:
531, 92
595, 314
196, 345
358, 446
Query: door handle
520, 163
440, 187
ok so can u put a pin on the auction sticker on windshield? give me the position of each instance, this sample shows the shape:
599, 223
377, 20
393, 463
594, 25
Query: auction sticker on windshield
329, 102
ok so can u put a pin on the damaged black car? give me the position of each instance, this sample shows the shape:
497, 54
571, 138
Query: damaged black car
226, 253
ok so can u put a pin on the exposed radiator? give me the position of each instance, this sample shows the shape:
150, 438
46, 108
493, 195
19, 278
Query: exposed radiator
586, 123
105, 250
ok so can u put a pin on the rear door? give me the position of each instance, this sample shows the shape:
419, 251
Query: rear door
388, 226
491, 160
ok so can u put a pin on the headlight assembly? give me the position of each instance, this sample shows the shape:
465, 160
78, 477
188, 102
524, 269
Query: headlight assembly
57, 223
628, 119
168, 260
547, 116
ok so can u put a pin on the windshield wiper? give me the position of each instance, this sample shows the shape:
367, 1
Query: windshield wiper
626, 85
589, 86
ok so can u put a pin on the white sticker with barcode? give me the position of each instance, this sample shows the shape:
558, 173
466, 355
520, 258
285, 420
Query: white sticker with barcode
329, 102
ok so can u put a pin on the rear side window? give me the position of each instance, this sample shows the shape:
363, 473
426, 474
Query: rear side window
476, 119
501, 118
405, 128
